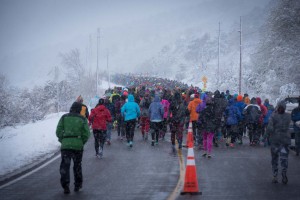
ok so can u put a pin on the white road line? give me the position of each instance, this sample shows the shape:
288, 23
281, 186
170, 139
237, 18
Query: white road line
29, 173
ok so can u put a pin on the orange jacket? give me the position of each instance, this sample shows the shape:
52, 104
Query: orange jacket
192, 108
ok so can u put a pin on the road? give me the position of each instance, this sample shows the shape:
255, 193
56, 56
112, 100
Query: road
154, 173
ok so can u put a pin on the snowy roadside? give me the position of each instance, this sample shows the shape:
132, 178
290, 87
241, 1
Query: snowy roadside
24, 144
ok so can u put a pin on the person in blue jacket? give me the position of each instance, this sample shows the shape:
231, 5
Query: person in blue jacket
130, 111
296, 119
232, 116
156, 114
271, 109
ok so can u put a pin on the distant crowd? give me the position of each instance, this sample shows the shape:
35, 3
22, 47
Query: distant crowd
157, 105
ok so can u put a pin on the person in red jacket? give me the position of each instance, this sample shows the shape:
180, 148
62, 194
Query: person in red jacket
98, 118
264, 111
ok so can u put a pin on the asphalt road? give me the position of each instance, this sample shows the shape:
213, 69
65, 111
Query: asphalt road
154, 173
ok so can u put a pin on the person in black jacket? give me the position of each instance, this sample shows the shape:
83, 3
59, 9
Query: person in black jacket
208, 121
177, 117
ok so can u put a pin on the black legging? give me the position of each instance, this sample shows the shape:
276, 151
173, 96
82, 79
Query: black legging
130, 125
155, 128
100, 138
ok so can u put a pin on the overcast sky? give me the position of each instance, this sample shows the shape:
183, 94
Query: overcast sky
33, 23
34, 32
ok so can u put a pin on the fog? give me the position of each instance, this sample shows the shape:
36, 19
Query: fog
34, 32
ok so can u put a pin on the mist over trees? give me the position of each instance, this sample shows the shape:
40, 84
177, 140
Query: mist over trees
277, 61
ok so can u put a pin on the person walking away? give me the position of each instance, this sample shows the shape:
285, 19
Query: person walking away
144, 119
72, 132
280, 139
232, 115
120, 119
99, 118
220, 104
166, 105
270, 109
194, 115
130, 111
84, 111
207, 120
156, 114
264, 112
111, 107
200, 127
252, 114
296, 119
241, 124
177, 118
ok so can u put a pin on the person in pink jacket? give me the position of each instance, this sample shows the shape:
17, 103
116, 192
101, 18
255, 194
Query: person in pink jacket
166, 105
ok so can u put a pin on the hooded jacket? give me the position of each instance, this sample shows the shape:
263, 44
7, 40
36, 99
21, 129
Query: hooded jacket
263, 109
130, 110
72, 129
232, 113
278, 128
99, 117
192, 109
156, 110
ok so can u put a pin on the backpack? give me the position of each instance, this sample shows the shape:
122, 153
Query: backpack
253, 114
146, 103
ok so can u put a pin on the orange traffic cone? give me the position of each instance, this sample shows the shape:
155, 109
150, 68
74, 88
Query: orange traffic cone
191, 181
190, 137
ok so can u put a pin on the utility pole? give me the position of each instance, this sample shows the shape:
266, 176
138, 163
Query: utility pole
218, 83
56, 77
98, 41
240, 74
108, 70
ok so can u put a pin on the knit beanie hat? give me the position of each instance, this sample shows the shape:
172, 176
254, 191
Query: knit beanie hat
239, 98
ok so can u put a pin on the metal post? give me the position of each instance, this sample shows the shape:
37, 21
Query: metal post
97, 75
240, 74
218, 83
108, 70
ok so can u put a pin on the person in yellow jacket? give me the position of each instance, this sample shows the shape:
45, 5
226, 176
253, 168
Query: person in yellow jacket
194, 115
84, 110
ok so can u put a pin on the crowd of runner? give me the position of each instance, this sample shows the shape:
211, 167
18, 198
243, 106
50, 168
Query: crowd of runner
156, 106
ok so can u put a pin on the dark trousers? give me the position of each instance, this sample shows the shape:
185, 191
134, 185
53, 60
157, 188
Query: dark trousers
130, 125
176, 132
66, 157
282, 151
253, 133
100, 138
155, 128
121, 125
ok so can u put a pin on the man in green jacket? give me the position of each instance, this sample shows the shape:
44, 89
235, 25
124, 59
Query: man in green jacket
72, 132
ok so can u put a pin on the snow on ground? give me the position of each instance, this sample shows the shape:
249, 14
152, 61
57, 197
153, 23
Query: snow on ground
23, 144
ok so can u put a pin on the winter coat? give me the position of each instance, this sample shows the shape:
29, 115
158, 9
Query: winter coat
207, 118
156, 110
270, 109
111, 108
99, 117
144, 106
232, 113
296, 118
177, 111
84, 111
130, 110
240, 105
263, 109
192, 109
72, 129
252, 113
278, 129
220, 104
166, 106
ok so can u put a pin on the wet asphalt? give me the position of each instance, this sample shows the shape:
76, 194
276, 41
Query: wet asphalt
155, 173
